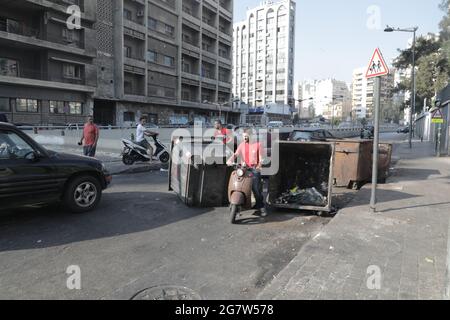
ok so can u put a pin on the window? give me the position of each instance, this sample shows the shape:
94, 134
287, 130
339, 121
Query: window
26, 105
169, 61
186, 67
9, 67
127, 51
152, 23
152, 56
13, 146
129, 116
5, 105
75, 108
71, 71
70, 36
57, 107
169, 30
127, 14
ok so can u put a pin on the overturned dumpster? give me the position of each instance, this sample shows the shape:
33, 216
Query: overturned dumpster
305, 176
198, 173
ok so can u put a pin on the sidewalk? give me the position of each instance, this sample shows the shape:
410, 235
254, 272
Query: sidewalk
406, 239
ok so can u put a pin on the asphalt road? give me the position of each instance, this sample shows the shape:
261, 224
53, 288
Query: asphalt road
142, 236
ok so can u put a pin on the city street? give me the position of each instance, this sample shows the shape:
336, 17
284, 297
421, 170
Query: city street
142, 236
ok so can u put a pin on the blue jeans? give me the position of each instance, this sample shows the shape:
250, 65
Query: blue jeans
257, 189
89, 151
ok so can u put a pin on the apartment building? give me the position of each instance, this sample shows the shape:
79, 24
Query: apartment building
167, 59
363, 93
329, 98
263, 59
47, 72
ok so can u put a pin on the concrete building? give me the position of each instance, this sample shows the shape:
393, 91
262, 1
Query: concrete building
47, 72
166, 59
263, 60
331, 99
363, 93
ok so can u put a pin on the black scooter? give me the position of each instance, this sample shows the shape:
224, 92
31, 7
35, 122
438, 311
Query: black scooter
133, 152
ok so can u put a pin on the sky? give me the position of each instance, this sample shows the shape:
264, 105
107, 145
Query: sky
334, 37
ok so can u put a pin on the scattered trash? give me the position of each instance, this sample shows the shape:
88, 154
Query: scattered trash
308, 196
39, 241
331, 248
429, 260
164, 170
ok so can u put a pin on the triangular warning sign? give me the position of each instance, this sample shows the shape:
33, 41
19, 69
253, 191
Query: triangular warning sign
438, 114
377, 66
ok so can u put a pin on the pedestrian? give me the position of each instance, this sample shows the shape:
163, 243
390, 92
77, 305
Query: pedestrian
3, 117
90, 137
223, 132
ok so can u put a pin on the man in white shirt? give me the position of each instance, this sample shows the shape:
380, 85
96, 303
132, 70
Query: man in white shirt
141, 133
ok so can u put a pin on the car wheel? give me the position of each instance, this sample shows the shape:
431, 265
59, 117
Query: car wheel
127, 160
83, 194
165, 157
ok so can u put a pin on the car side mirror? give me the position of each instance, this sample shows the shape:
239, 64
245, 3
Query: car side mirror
32, 156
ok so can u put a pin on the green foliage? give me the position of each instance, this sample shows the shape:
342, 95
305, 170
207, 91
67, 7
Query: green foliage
432, 62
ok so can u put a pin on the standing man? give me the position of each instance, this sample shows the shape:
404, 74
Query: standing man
221, 131
141, 133
90, 137
251, 155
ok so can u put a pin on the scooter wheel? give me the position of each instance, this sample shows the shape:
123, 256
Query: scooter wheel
127, 160
165, 157
234, 210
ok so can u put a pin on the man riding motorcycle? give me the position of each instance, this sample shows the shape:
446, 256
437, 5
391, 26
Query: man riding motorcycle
141, 133
251, 155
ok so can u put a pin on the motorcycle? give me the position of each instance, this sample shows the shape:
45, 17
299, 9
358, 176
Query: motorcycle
133, 152
240, 191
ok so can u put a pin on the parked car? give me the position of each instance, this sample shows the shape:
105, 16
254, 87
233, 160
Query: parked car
307, 135
31, 174
403, 130
275, 124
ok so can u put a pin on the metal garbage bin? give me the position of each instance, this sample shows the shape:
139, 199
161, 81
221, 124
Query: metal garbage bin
352, 163
384, 161
198, 173
305, 177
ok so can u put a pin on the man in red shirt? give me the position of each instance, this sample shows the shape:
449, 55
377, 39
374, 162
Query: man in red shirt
221, 131
251, 155
90, 137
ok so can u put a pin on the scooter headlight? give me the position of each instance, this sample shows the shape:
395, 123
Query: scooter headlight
240, 173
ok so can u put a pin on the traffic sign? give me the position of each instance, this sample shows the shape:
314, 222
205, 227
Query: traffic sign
377, 66
437, 117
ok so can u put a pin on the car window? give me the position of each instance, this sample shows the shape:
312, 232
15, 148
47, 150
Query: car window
13, 146
301, 135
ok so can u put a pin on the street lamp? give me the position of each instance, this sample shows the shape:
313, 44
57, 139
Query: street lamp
413, 75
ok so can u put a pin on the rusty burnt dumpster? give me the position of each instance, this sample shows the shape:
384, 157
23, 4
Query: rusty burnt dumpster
353, 163
198, 173
304, 180
384, 161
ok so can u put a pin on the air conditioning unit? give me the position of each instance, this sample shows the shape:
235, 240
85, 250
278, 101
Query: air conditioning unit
140, 13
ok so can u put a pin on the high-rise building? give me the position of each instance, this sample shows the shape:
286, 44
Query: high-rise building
169, 60
263, 58
363, 93
47, 71
329, 98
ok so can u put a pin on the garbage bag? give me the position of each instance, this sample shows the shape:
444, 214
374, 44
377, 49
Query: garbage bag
308, 197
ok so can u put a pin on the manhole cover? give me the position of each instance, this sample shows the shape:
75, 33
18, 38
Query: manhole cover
167, 293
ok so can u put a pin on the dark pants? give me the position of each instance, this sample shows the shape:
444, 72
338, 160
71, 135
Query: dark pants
89, 151
257, 189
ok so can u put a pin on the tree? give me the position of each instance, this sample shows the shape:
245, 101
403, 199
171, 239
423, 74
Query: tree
433, 62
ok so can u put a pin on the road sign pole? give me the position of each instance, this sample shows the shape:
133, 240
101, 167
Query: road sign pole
438, 151
376, 138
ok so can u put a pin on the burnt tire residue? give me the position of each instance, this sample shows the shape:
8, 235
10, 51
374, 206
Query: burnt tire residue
167, 293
